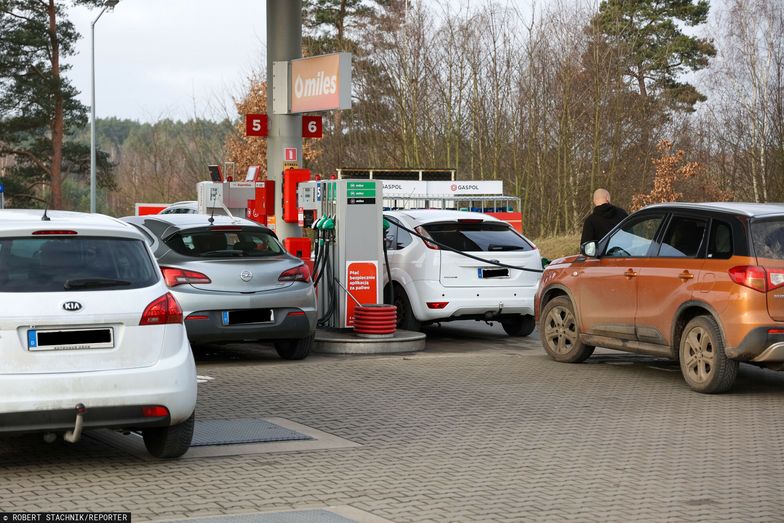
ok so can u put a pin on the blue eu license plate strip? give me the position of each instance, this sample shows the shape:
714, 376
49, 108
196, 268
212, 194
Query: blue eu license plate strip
225, 317
32, 339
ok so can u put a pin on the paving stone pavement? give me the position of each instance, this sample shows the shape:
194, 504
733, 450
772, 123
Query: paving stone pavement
480, 427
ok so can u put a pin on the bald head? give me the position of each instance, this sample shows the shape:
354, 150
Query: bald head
600, 196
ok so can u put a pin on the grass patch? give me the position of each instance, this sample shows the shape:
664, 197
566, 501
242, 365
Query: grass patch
558, 246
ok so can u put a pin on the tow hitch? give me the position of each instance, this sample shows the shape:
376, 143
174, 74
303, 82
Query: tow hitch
72, 436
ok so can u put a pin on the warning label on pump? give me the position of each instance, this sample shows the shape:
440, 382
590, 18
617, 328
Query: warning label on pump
362, 283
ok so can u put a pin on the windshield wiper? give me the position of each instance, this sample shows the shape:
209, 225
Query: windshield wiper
93, 283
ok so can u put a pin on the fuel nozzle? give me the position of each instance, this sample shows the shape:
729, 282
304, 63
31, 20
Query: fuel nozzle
328, 224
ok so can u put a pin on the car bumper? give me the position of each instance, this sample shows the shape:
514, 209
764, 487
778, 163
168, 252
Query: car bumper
287, 323
126, 417
294, 314
761, 347
112, 398
471, 302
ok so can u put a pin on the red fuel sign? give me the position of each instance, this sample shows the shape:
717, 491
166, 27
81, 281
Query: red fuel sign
255, 125
312, 127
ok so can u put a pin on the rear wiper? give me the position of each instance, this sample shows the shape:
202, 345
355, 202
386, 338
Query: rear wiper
223, 252
92, 283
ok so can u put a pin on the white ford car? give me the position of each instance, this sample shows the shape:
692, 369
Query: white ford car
89, 335
434, 284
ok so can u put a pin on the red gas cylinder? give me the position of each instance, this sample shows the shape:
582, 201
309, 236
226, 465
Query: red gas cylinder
375, 320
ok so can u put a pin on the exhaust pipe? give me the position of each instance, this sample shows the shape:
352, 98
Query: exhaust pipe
72, 436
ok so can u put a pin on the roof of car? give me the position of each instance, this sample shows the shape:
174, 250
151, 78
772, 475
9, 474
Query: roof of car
185, 221
440, 215
744, 208
20, 220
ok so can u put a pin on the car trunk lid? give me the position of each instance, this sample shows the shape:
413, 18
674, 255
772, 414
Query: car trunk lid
239, 275
231, 258
768, 239
490, 240
78, 331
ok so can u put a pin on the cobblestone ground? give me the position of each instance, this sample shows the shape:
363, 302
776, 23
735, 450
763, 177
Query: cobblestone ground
479, 427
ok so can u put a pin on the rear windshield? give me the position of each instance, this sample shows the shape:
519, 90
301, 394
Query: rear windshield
484, 236
217, 244
84, 263
768, 238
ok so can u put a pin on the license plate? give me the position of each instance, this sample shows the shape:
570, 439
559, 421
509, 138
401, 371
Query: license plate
493, 273
247, 316
70, 339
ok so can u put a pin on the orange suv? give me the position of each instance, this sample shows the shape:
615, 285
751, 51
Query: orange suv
698, 283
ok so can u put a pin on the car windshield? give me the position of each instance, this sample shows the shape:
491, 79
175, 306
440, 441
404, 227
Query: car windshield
768, 238
56, 264
225, 243
478, 236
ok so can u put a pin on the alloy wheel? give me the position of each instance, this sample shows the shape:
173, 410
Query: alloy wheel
700, 355
560, 330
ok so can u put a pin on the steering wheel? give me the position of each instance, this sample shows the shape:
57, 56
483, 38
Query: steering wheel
618, 251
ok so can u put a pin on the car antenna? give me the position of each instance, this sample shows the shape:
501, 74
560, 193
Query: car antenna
212, 213
45, 218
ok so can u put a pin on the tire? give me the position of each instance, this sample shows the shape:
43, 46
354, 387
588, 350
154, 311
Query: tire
294, 349
405, 315
560, 334
169, 442
518, 325
704, 364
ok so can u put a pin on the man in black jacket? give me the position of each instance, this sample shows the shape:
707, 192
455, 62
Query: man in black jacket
604, 217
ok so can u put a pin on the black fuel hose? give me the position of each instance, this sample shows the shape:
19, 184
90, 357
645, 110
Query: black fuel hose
462, 253
389, 272
322, 261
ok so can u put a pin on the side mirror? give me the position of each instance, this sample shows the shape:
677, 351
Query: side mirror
588, 249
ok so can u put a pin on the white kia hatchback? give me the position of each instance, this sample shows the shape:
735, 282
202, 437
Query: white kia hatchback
89, 335
434, 285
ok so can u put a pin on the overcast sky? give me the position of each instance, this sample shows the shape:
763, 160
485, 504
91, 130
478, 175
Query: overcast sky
176, 58
169, 58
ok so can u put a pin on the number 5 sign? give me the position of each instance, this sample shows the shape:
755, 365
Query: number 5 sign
255, 125
312, 127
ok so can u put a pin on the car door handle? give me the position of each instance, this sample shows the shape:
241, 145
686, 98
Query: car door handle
685, 275
630, 273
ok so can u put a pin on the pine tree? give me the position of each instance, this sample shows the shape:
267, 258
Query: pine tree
654, 50
39, 110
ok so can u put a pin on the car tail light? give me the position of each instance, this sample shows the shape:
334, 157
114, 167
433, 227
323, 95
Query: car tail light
197, 317
155, 411
422, 232
162, 311
775, 331
53, 233
749, 276
176, 277
296, 313
228, 228
437, 304
298, 273
470, 220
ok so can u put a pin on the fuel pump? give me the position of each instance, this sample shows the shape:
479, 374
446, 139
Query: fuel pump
347, 220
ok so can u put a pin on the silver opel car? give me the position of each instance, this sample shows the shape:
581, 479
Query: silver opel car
234, 281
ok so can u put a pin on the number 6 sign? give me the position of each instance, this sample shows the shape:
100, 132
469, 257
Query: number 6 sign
312, 127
